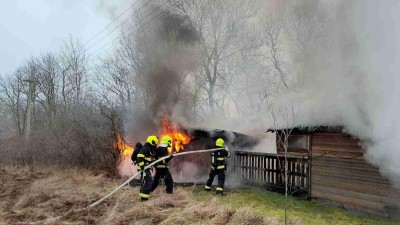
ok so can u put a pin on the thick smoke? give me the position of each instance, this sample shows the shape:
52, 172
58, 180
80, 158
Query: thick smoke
169, 58
166, 46
347, 75
354, 83
380, 29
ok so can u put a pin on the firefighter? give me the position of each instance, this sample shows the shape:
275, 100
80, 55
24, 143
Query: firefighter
144, 158
162, 171
135, 152
218, 166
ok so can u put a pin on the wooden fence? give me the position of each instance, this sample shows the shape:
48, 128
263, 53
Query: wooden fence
267, 170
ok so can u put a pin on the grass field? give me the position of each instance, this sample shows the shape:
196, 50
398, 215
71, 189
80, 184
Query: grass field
299, 211
54, 196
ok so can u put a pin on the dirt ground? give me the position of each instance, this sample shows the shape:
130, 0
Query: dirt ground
54, 196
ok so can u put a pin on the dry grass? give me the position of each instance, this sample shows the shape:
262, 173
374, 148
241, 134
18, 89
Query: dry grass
43, 195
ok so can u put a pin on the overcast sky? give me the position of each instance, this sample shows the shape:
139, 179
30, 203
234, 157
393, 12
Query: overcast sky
31, 27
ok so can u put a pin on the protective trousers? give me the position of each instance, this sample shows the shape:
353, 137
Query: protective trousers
163, 173
221, 179
147, 181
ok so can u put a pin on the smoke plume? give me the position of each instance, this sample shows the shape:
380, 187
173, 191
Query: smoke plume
354, 82
345, 74
167, 46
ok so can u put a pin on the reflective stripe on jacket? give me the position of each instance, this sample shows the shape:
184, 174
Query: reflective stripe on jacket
160, 152
218, 159
145, 156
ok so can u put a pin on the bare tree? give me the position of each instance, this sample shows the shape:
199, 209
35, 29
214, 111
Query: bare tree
48, 83
307, 27
115, 81
272, 27
73, 68
218, 24
13, 95
283, 117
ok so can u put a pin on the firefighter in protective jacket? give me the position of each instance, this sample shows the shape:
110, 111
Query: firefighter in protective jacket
135, 152
218, 166
162, 171
144, 158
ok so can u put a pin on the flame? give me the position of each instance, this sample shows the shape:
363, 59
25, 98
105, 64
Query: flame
126, 150
179, 137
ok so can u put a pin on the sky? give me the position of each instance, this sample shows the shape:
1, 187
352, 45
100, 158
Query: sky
31, 27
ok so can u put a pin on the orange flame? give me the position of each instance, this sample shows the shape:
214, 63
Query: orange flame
179, 137
126, 150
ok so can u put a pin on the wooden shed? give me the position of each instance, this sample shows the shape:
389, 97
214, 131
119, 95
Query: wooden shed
327, 165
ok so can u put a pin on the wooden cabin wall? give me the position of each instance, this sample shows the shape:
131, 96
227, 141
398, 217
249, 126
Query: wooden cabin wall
340, 173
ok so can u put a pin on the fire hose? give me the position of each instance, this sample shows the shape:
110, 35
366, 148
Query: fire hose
146, 167
129, 180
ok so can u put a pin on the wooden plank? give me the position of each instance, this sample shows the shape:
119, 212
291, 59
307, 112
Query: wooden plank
366, 206
244, 163
350, 193
264, 167
293, 168
335, 141
334, 136
242, 169
273, 166
338, 177
350, 172
250, 167
349, 168
338, 155
365, 180
257, 165
344, 163
252, 171
336, 148
331, 134
260, 173
353, 186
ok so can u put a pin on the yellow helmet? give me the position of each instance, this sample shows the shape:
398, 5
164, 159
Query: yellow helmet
166, 140
153, 140
220, 142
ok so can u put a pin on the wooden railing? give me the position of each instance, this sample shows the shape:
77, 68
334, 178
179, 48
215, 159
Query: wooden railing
267, 170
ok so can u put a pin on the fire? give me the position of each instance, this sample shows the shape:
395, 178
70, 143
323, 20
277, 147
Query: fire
179, 137
126, 150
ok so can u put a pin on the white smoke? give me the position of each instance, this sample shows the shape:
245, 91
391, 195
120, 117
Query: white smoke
126, 168
358, 88
380, 29
354, 82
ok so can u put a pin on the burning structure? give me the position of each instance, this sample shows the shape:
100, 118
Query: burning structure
328, 164
324, 164
179, 136
188, 168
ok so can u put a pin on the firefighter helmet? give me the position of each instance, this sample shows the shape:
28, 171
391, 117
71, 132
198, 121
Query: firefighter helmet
153, 140
166, 140
220, 142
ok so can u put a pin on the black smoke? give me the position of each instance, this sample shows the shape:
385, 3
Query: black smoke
166, 46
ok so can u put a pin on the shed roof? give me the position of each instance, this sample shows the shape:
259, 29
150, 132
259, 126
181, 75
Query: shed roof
312, 129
